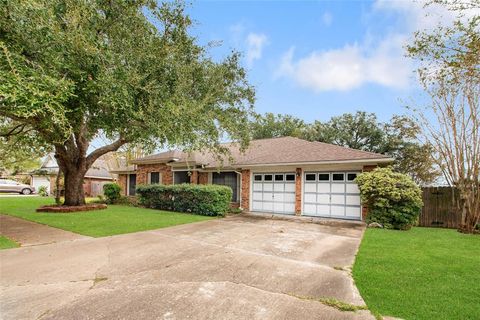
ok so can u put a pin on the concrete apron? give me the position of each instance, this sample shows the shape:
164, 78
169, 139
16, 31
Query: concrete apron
233, 268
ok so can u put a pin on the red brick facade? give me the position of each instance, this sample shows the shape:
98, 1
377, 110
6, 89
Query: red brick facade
203, 178
194, 177
122, 182
165, 173
298, 192
245, 190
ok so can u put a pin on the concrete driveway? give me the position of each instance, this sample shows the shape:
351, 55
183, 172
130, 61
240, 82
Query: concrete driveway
233, 268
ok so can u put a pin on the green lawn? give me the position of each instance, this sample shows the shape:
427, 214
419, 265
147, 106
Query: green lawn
114, 220
423, 273
6, 243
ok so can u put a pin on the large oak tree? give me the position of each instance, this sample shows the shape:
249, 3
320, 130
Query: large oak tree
128, 70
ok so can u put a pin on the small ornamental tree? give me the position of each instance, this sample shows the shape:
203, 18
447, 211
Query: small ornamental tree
393, 199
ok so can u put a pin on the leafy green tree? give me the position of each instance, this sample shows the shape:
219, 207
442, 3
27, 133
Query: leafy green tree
272, 125
393, 199
397, 138
449, 72
357, 131
128, 70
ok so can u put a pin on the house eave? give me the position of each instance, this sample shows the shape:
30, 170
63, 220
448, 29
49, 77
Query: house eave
355, 161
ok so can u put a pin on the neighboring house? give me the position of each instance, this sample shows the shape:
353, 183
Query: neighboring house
280, 175
93, 182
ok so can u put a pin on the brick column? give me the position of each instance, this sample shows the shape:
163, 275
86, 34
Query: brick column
364, 207
194, 177
122, 182
245, 192
203, 178
298, 191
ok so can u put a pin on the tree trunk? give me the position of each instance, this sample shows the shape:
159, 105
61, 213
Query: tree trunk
74, 193
57, 186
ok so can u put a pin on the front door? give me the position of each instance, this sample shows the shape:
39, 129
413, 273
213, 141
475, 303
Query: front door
132, 184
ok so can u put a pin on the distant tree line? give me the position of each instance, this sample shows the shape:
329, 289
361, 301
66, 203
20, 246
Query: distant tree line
397, 138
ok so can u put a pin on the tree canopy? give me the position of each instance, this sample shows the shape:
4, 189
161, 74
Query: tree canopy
71, 71
270, 125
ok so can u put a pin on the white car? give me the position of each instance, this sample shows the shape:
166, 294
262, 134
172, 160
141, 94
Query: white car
7, 185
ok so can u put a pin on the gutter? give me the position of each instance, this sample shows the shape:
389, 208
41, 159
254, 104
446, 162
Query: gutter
381, 160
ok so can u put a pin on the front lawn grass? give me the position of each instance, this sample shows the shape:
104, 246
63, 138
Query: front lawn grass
116, 219
7, 243
423, 273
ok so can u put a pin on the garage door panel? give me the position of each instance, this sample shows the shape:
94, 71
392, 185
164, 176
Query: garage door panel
289, 197
323, 198
338, 188
278, 187
323, 210
352, 188
278, 197
311, 197
257, 206
310, 208
268, 187
257, 196
267, 196
323, 188
278, 207
353, 212
268, 206
289, 207
337, 199
289, 187
257, 187
353, 200
310, 187
337, 210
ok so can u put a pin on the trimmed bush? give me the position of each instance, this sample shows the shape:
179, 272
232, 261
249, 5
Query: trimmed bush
42, 191
111, 191
207, 200
393, 199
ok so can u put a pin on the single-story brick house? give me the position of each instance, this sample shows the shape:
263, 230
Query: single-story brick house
95, 178
280, 175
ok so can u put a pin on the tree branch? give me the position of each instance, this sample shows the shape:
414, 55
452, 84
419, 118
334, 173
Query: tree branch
103, 150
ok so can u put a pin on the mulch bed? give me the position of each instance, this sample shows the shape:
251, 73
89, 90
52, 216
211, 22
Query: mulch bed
60, 208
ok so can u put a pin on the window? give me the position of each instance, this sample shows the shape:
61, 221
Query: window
227, 179
323, 177
290, 177
310, 177
268, 177
154, 177
279, 177
257, 177
181, 177
351, 176
338, 176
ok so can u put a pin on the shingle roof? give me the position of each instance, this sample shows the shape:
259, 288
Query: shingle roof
284, 150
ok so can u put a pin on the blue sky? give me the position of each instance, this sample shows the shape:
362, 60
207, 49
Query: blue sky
318, 59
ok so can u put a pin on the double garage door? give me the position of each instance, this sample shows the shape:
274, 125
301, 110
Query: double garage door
331, 194
274, 192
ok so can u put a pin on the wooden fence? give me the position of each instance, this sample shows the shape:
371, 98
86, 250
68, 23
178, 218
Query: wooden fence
439, 208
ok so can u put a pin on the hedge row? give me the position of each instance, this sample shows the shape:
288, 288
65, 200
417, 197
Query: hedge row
207, 200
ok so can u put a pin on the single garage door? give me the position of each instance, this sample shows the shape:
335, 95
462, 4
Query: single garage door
274, 192
331, 194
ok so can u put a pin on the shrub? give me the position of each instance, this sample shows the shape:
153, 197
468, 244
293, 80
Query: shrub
207, 200
42, 191
393, 199
111, 192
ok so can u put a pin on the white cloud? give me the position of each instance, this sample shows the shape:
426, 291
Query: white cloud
255, 43
350, 67
327, 18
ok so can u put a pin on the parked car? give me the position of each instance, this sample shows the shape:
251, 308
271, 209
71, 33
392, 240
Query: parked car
7, 185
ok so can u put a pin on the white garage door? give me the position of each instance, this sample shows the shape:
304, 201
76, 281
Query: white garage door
274, 192
331, 194
38, 181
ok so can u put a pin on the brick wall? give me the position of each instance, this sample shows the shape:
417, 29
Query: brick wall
203, 178
194, 177
298, 192
122, 182
245, 192
144, 169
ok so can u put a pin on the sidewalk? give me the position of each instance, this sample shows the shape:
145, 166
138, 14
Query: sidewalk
29, 233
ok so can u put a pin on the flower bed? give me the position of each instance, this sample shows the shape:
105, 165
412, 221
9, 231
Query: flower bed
60, 208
